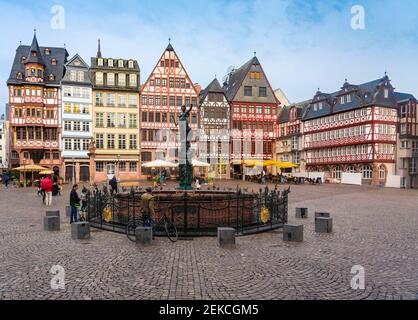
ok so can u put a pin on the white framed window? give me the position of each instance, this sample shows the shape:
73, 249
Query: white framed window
100, 62
386, 93
351, 169
110, 79
67, 144
120, 63
81, 76
382, 173
99, 78
121, 79
110, 62
130, 64
366, 172
132, 80
73, 75
336, 172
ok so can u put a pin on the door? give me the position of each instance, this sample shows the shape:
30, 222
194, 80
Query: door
84, 173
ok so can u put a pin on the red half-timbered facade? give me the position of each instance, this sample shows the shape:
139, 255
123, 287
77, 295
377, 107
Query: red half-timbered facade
353, 130
167, 88
254, 112
34, 105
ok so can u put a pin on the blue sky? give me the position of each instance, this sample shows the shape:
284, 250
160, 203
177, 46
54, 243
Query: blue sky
302, 44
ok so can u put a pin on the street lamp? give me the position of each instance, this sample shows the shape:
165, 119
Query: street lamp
74, 180
118, 173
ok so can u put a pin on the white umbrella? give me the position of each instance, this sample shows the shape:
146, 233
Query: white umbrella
197, 163
159, 164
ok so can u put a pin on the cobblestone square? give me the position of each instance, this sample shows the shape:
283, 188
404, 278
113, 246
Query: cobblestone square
372, 227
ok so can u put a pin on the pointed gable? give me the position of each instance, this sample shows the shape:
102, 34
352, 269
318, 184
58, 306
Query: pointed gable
35, 55
77, 61
169, 65
213, 87
251, 74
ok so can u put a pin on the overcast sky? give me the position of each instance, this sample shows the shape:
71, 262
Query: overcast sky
302, 44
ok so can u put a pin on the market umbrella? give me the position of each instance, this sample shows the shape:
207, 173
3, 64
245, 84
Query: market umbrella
159, 164
197, 163
29, 168
46, 172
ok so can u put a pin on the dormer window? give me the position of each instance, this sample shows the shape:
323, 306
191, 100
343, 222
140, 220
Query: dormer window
40, 73
47, 52
51, 77
131, 64
100, 62
386, 93
19, 76
110, 63
23, 59
54, 62
120, 64
33, 53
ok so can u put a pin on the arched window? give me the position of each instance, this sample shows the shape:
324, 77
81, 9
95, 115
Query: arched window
351, 169
382, 172
366, 172
54, 62
336, 172
19, 75
51, 77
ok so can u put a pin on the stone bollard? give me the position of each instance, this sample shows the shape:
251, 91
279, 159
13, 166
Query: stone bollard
301, 213
322, 215
293, 232
52, 223
52, 213
80, 230
68, 211
143, 235
226, 237
323, 225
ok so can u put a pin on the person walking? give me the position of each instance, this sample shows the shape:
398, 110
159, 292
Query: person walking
6, 179
74, 203
46, 186
114, 185
147, 206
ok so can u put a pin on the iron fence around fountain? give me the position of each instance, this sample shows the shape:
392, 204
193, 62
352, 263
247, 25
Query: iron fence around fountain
195, 213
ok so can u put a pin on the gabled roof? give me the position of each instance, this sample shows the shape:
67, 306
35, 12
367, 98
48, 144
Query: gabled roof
77, 56
37, 58
60, 54
301, 109
213, 87
404, 97
237, 77
362, 95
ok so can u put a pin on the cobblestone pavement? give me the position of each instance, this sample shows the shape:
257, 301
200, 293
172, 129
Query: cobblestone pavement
375, 228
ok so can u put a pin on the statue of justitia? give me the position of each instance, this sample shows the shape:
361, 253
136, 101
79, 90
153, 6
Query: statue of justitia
185, 166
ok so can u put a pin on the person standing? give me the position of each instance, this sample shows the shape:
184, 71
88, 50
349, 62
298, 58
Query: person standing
6, 180
46, 186
114, 185
74, 203
147, 206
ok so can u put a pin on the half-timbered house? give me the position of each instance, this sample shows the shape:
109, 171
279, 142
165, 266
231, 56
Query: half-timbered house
215, 129
167, 88
353, 130
254, 111
35, 105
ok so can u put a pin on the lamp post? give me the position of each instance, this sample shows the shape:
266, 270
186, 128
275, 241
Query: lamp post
118, 173
74, 180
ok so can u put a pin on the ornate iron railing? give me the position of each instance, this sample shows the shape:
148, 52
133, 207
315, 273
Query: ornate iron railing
195, 213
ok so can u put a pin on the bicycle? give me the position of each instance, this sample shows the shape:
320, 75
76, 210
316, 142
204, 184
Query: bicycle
169, 227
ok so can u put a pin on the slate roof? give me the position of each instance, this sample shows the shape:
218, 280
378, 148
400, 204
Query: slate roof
366, 94
301, 109
404, 97
213, 87
34, 48
60, 54
237, 77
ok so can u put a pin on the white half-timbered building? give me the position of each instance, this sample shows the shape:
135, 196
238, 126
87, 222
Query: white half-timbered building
167, 88
215, 129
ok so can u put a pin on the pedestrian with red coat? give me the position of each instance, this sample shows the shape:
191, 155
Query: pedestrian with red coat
46, 186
